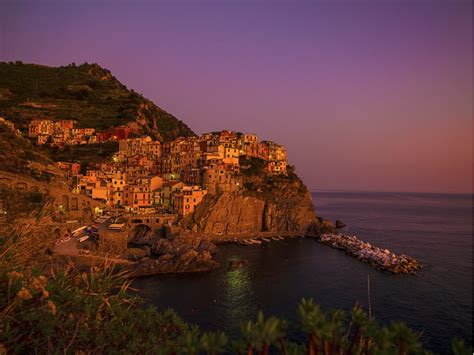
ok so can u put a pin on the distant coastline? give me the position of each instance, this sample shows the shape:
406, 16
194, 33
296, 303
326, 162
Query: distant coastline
314, 191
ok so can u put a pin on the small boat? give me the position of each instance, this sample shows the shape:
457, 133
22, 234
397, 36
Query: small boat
266, 240
77, 231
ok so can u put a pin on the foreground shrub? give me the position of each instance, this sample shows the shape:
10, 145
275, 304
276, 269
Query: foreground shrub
73, 310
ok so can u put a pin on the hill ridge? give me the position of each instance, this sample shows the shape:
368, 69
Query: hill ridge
86, 93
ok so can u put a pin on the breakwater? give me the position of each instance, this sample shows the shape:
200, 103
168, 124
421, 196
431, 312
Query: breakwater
380, 259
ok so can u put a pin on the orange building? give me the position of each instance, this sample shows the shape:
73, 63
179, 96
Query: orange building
70, 168
186, 201
136, 197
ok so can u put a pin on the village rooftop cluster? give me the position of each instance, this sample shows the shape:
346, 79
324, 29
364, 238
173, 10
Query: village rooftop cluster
146, 176
61, 133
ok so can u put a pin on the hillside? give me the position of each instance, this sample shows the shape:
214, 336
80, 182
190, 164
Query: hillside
16, 153
87, 93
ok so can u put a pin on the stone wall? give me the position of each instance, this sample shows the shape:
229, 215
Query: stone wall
113, 243
70, 204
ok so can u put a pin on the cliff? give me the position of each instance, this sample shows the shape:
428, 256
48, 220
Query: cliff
268, 205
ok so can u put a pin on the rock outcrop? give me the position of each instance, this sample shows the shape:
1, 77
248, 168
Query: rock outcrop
279, 206
180, 251
176, 255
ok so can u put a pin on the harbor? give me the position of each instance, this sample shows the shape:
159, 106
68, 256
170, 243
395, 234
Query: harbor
379, 258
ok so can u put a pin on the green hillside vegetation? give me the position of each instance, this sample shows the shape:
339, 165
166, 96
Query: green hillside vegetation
16, 153
251, 166
87, 153
87, 93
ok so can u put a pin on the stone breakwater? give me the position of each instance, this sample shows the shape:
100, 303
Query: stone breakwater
380, 259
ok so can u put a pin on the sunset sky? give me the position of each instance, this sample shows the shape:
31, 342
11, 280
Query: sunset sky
366, 95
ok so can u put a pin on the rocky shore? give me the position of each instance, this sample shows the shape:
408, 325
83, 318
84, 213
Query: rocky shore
380, 259
183, 253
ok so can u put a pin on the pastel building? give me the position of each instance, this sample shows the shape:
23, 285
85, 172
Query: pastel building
187, 199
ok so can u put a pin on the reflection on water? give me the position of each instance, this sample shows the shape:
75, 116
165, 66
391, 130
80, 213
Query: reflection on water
435, 229
238, 298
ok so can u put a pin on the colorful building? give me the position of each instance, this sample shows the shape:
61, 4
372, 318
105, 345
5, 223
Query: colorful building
187, 199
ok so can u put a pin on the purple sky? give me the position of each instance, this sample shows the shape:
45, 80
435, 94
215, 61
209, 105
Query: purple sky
366, 95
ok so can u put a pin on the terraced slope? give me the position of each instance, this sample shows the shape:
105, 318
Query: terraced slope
87, 93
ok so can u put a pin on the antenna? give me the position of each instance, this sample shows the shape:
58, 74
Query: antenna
368, 296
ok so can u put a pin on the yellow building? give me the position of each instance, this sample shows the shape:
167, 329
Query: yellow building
104, 193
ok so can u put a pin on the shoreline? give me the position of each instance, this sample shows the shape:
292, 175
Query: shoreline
193, 253
380, 259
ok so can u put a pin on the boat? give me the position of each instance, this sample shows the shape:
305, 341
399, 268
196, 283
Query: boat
78, 230
116, 226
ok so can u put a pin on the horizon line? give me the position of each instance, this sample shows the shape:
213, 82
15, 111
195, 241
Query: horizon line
390, 191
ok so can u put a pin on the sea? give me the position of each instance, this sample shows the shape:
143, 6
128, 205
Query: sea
436, 229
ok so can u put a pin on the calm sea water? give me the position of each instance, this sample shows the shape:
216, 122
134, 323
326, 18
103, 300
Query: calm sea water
435, 229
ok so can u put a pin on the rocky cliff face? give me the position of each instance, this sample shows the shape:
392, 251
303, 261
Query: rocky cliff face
268, 205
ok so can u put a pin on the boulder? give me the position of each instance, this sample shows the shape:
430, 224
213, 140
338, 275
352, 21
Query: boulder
162, 246
203, 262
206, 245
135, 254
236, 264
183, 262
326, 226
165, 258
146, 249
340, 224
